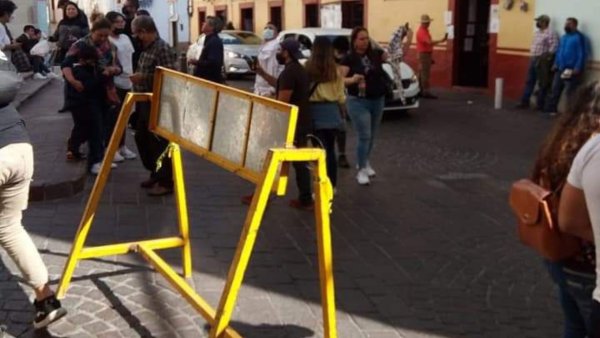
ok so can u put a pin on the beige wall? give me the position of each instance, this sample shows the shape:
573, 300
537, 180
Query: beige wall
516, 27
385, 16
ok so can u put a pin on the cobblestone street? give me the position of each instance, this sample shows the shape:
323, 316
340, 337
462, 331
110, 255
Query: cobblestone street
428, 250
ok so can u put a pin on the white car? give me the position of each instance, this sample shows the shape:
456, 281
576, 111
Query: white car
240, 49
410, 82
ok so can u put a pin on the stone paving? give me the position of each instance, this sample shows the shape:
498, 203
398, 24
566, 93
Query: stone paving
428, 250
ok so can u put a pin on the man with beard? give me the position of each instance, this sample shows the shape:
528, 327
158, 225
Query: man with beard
292, 87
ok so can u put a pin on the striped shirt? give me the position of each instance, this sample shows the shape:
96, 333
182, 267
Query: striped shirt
544, 41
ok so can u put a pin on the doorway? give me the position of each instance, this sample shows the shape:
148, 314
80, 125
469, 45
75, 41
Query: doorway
311, 15
276, 17
222, 14
353, 14
247, 19
201, 19
471, 43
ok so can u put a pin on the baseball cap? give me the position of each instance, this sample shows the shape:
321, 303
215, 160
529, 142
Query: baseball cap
293, 47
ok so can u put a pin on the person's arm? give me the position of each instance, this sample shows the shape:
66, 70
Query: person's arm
553, 43
437, 42
71, 58
558, 59
580, 53
284, 95
54, 36
271, 80
573, 216
349, 80
167, 58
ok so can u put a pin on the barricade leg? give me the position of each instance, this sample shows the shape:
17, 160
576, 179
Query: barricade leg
182, 210
244, 247
99, 185
323, 196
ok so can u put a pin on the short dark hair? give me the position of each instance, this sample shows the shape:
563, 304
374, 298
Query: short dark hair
574, 20
87, 52
101, 24
215, 22
341, 44
28, 27
142, 12
7, 7
112, 16
144, 22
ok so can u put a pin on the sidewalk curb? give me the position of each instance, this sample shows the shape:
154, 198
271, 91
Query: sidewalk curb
46, 191
29, 90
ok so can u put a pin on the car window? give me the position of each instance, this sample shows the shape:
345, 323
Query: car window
289, 35
304, 41
373, 42
240, 38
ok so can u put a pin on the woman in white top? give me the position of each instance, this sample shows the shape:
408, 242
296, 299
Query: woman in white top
124, 51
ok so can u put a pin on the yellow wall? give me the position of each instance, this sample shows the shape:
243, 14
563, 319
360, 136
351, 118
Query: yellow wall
516, 27
385, 16
294, 13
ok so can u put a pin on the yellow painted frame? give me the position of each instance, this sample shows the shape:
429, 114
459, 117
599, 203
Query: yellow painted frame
219, 319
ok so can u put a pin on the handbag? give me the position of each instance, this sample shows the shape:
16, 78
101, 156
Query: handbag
535, 208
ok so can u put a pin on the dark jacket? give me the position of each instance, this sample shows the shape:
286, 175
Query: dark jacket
26, 42
210, 63
68, 31
93, 83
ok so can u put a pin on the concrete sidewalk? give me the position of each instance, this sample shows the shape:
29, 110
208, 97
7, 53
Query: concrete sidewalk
428, 250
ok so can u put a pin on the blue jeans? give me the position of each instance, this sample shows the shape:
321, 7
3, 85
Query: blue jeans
575, 295
365, 115
558, 86
532, 79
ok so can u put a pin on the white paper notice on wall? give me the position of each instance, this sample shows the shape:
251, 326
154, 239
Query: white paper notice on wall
448, 18
331, 16
494, 12
450, 32
494, 25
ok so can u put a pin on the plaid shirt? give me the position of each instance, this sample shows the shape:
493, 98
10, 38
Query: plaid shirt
159, 53
544, 41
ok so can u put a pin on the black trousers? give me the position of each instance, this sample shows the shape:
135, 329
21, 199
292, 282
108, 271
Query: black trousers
114, 116
151, 146
327, 138
595, 320
88, 125
303, 181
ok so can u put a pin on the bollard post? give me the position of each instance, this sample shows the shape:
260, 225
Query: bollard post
499, 93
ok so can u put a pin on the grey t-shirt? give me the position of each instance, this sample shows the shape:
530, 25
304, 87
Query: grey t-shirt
585, 175
12, 127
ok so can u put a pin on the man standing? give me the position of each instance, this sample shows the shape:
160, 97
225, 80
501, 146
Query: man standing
156, 52
130, 8
543, 49
568, 66
292, 87
425, 49
267, 60
210, 64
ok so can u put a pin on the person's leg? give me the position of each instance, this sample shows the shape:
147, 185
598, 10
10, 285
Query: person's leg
95, 134
303, 179
580, 287
143, 137
554, 97
80, 131
529, 84
425, 73
376, 114
574, 326
595, 320
121, 93
327, 138
361, 120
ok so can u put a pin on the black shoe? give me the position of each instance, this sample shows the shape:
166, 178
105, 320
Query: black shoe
63, 110
47, 311
343, 162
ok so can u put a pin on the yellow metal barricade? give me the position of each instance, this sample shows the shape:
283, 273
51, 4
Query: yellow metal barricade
271, 177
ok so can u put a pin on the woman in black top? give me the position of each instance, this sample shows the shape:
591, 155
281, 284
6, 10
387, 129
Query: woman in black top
71, 28
366, 83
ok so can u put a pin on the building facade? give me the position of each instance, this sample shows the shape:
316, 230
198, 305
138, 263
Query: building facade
488, 39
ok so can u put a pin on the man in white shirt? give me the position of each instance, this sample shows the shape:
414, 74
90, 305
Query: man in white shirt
267, 59
6, 45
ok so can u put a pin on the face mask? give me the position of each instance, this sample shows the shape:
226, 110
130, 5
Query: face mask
538, 25
119, 31
280, 58
568, 29
268, 34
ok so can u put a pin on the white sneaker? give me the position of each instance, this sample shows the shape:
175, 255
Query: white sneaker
118, 158
96, 167
363, 177
127, 153
39, 76
370, 170
52, 76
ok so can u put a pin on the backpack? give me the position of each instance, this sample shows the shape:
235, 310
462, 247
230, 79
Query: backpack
535, 208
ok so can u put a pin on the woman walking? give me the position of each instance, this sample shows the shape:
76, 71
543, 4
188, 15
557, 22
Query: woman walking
124, 55
366, 82
574, 276
326, 97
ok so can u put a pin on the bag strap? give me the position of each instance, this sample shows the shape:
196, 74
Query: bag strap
313, 88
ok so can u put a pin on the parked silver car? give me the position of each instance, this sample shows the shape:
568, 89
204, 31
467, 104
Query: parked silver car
240, 49
410, 82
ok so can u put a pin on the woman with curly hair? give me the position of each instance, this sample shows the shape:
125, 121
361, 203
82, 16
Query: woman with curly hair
574, 276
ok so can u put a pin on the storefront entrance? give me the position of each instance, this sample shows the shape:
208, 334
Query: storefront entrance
471, 43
